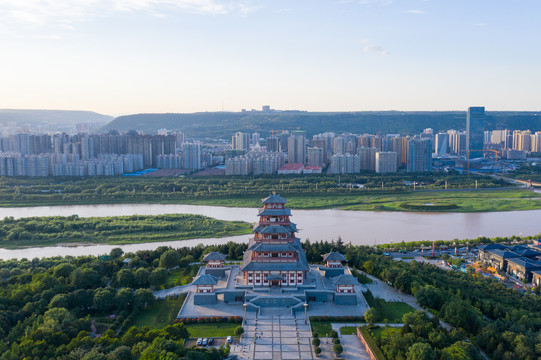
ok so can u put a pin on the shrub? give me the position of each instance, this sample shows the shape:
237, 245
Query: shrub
337, 348
239, 330
334, 334
317, 350
316, 342
336, 341
315, 335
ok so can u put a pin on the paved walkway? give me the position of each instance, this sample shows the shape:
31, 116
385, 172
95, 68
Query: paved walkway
275, 337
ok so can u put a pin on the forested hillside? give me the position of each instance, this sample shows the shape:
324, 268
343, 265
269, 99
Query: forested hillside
223, 124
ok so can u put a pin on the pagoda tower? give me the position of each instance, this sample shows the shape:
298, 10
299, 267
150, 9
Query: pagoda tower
275, 256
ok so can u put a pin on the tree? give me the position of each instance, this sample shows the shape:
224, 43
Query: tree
63, 270
317, 350
337, 348
141, 277
169, 259
116, 253
157, 277
316, 342
120, 353
124, 299
144, 298
370, 316
104, 300
239, 330
124, 278
420, 351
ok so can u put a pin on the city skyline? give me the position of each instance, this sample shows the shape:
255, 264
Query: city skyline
125, 56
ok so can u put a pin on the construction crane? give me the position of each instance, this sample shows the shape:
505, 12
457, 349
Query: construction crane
496, 153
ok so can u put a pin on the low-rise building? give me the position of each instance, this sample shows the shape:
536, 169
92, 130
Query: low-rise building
522, 268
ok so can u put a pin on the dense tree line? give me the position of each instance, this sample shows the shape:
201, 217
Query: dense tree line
422, 338
46, 305
114, 230
14, 191
503, 322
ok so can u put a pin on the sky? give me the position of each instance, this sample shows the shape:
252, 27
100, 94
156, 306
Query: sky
141, 56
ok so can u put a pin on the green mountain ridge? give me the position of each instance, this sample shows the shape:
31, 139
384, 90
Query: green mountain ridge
224, 124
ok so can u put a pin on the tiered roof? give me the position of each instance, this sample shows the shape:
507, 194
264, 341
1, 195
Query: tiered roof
290, 244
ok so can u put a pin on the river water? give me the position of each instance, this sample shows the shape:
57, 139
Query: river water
357, 227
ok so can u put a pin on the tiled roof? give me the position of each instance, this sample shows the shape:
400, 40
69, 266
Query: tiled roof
505, 254
291, 228
526, 263
205, 280
334, 256
274, 199
275, 212
346, 279
214, 256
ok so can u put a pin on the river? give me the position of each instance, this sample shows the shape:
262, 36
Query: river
357, 227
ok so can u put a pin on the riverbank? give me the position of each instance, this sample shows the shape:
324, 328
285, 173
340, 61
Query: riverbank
459, 201
74, 231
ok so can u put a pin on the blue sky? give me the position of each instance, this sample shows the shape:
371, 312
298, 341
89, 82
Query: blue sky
129, 56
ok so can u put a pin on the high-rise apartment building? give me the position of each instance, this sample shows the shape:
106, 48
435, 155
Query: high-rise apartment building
240, 141
475, 131
316, 156
386, 162
296, 149
442, 143
192, 155
273, 144
419, 155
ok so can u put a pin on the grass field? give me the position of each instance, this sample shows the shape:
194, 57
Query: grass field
391, 312
348, 330
160, 314
180, 276
212, 330
321, 327
384, 332
462, 201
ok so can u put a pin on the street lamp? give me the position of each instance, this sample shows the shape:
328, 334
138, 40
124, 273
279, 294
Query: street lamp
244, 305
305, 313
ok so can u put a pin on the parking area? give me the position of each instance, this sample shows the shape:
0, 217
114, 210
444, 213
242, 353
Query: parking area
216, 342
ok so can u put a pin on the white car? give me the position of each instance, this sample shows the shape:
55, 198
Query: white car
229, 339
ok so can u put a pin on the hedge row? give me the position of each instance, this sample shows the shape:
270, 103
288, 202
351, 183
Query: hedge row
213, 319
338, 318
372, 343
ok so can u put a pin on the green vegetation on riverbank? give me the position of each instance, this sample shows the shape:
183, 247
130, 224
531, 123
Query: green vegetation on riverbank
302, 192
47, 231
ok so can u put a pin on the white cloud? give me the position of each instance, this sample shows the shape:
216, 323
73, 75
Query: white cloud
376, 49
36, 13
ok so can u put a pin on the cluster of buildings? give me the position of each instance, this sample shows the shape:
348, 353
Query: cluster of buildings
275, 273
283, 152
340, 154
26, 154
519, 261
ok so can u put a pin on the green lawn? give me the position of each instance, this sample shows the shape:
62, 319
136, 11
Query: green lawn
383, 333
461, 201
348, 330
321, 327
179, 277
160, 314
388, 311
212, 330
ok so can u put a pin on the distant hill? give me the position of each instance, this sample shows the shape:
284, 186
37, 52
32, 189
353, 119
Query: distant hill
223, 124
58, 118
